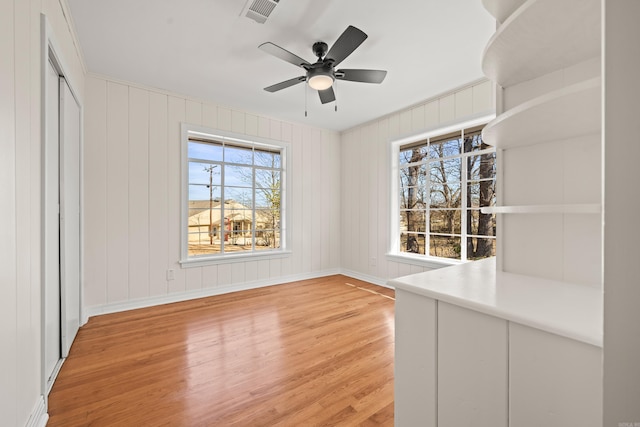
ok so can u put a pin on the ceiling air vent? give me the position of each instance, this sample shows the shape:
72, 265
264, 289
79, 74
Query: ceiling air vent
259, 10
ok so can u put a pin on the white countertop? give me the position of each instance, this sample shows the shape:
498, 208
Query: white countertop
566, 309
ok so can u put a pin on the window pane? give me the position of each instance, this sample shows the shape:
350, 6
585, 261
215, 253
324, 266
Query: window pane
238, 176
473, 141
413, 154
481, 194
204, 231
481, 166
412, 198
204, 151
267, 159
478, 248
443, 171
203, 192
233, 154
444, 246
444, 221
267, 239
413, 243
201, 173
445, 195
412, 176
268, 185
481, 224
242, 197
444, 148
413, 221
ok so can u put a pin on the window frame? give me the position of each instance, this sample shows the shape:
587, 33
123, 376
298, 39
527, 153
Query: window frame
190, 130
394, 253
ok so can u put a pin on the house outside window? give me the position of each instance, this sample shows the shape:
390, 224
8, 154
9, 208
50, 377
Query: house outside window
234, 194
442, 181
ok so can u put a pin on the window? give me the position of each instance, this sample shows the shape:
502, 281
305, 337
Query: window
442, 183
234, 196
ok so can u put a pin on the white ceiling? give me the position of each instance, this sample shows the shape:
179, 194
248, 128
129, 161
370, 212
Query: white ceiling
206, 49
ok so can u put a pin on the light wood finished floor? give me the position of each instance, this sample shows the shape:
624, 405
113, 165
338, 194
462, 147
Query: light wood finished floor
311, 353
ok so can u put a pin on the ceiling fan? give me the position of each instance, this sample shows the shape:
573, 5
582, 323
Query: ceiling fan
322, 74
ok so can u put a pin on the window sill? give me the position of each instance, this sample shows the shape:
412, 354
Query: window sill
424, 261
227, 259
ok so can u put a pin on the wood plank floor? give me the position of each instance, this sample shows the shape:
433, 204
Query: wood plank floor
311, 353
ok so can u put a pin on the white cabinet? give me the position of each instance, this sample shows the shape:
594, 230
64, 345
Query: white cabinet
472, 368
553, 381
484, 348
415, 361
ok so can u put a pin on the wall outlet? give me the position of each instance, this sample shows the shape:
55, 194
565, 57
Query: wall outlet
372, 261
170, 275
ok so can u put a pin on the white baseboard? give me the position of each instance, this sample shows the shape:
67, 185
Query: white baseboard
39, 416
371, 279
200, 293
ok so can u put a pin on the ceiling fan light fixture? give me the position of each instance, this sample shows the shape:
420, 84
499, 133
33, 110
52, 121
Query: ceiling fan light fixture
321, 81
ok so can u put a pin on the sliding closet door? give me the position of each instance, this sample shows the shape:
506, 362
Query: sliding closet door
69, 215
52, 228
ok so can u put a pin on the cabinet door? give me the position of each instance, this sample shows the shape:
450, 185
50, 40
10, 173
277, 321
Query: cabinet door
553, 381
415, 360
472, 368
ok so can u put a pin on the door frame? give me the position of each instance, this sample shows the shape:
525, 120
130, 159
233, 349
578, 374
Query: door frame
50, 51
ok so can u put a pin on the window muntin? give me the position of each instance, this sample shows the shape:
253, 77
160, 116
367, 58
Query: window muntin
234, 192
443, 181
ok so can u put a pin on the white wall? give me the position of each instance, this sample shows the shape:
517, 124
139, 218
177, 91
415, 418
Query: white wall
132, 198
621, 205
365, 153
20, 192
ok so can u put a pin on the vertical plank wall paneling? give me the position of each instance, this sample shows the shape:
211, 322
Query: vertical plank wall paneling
296, 192
24, 166
365, 152
8, 249
139, 193
117, 192
158, 200
95, 187
21, 195
133, 190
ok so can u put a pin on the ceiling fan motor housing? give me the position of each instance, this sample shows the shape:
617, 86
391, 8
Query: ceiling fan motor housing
320, 49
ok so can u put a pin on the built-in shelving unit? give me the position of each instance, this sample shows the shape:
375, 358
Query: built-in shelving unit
542, 57
534, 314
552, 116
588, 208
501, 9
541, 36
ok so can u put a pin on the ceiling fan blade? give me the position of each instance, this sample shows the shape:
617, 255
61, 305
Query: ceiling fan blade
346, 44
327, 95
285, 84
364, 76
284, 54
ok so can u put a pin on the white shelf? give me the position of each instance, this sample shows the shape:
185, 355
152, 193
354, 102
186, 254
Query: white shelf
501, 9
568, 112
566, 309
542, 36
594, 208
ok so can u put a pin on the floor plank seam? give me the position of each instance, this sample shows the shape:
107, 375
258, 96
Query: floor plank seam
369, 290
